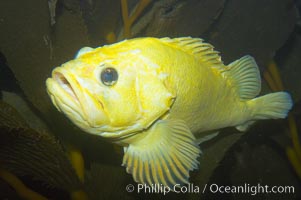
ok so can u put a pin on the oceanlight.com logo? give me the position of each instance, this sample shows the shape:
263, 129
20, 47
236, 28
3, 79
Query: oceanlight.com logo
249, 189
162, 189
211, 188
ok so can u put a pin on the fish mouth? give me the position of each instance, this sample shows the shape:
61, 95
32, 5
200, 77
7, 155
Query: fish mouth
72, 99
65, 85
66, 97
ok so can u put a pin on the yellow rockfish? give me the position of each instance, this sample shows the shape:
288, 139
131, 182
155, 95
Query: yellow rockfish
159, 98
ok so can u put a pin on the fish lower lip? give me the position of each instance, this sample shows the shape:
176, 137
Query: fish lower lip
65, 85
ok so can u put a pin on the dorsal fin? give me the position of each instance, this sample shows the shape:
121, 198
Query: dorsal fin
197, 47
242, 73
245, 77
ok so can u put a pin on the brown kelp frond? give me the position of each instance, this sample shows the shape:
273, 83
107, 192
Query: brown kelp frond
26, 152
128, 20
10, 118
273, 78
77, 161
21, 189
294, 152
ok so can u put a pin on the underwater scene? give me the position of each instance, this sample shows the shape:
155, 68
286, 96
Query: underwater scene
141, 99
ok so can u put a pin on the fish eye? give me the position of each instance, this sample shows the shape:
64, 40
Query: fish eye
109, 76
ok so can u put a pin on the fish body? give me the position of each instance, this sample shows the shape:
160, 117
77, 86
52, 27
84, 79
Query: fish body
159, 98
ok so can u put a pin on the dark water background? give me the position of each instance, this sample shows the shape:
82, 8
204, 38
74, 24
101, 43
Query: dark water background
34, 136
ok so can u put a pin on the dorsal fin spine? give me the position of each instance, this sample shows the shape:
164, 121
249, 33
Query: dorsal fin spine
198, 48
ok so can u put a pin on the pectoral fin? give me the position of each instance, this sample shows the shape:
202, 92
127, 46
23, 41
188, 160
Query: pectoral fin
164, 156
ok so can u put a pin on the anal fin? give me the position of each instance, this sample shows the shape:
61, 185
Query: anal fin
206, 136
244, 127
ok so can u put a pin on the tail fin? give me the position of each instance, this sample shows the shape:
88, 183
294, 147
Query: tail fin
272, 106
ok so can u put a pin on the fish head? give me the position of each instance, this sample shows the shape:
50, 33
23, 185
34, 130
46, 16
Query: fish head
109, 91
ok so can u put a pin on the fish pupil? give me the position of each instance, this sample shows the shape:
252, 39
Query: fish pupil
109, 76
